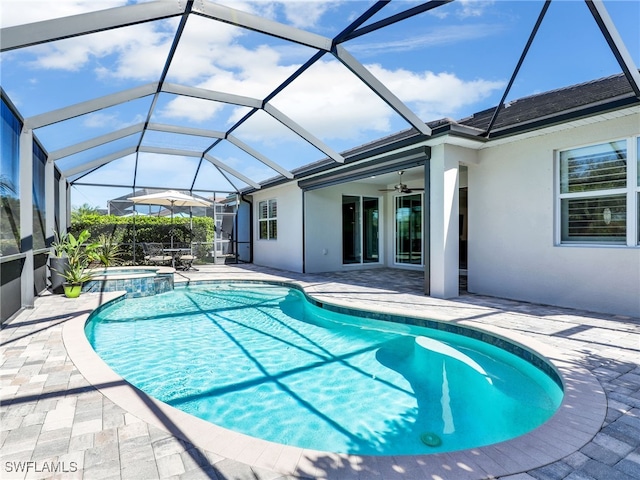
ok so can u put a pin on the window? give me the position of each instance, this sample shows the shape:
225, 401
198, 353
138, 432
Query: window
10, 183
360, 226
39, 230
268, 219
598, 194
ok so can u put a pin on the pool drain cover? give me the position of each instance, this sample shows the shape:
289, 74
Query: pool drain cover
430, 439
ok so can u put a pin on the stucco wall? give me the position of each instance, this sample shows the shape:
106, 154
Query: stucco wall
286, 251
323, 229
511, 229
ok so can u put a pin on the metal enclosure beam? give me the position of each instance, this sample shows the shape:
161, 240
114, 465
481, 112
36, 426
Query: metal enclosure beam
214, 161
170, 151
205, 94
258, 156
36, 33
380, 89
198, 132
82, 108
97, 141
523, 55
262, 25
301, 132
98, 162
619, 49
398, 17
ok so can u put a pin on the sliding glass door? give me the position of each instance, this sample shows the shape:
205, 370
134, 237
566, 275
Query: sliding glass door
408, 234
360, 230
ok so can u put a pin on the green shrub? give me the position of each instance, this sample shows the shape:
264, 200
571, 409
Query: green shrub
147, 229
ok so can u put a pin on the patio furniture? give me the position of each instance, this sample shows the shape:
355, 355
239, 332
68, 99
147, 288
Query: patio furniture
182, 258
154, 253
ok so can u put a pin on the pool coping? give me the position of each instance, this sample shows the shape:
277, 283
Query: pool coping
576, 422
153, 271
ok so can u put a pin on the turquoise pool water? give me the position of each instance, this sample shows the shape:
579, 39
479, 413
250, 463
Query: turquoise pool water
262, 360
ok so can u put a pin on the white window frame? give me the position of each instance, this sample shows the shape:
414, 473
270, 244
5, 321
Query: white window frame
631, 191
267, 219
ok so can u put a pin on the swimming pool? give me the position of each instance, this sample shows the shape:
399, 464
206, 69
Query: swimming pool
262, 360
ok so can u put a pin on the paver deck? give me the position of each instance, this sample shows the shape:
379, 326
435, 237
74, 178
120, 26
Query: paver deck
57, 421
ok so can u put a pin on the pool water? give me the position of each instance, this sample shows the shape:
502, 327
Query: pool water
262, 360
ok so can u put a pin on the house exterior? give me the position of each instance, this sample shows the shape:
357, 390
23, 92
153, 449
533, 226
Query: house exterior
545, 209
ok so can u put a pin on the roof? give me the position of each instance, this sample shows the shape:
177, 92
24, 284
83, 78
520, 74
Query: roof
575, 99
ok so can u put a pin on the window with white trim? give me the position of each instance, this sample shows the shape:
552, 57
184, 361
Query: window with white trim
599, 194
268, 219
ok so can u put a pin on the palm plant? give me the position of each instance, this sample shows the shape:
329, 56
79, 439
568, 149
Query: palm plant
107, 251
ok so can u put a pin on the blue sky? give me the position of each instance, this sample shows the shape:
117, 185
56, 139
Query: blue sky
450, 62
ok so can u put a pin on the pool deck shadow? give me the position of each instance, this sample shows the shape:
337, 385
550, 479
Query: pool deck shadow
65, 414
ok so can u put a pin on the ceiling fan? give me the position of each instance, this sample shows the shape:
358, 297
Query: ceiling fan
401, 187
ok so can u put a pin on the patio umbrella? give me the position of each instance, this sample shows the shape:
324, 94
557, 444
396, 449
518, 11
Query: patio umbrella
170, 198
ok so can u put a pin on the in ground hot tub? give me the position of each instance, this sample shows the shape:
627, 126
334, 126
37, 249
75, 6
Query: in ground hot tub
137, 281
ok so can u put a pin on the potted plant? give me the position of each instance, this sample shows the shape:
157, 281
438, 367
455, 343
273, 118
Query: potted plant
75, 275
78, 257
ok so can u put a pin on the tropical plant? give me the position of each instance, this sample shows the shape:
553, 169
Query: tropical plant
75, 273
76, 249
107, 251
78, 256
60, 244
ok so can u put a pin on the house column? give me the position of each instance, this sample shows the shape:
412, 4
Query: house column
443, 222
26, 216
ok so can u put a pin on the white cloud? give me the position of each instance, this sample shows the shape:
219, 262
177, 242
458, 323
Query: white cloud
19, 12
306, 14
435, 95
332, 103
102, 119
166, 170
189, 108
435, 37
473, 8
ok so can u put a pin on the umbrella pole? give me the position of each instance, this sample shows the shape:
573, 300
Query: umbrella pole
172, 202
134, 233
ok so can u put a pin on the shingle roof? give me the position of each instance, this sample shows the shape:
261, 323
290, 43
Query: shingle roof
554, 102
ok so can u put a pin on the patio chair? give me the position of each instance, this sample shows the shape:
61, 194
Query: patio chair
185, 258
154, 253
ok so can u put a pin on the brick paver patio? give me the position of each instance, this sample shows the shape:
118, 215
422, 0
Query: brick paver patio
56, 424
